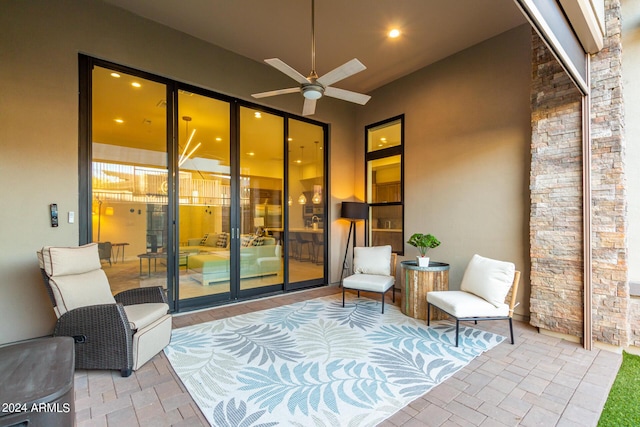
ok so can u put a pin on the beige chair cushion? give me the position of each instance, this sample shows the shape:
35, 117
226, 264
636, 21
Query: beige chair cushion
462, 304
75, 276
368, 282
372, 260
489, 279
65, 261
147, 342
80, 290
142, 315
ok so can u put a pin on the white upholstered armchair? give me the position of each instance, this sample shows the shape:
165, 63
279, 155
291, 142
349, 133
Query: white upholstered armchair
374, 270
487, 292
121, 332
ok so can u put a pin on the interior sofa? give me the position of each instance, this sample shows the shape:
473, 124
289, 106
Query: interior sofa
207, 260
210, 242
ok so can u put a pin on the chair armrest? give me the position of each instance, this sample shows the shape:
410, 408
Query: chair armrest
103, 336
141, 296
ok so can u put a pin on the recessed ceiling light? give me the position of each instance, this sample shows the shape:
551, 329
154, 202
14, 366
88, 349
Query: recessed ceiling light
289, 139
116, 75
298, 161
136, 84
118, 121
218, 139
257, 115
251, 153
383, 139
394, 33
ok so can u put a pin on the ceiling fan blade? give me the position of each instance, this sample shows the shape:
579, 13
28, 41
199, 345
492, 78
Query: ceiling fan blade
276, 92
342, 72
282, 67
347, 95
309, 107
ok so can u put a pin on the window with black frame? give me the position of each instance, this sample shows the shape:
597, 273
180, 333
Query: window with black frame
384, 180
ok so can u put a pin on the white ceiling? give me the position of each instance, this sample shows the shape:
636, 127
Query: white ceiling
345, 29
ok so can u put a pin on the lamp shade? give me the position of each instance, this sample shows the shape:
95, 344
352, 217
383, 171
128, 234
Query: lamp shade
355, 210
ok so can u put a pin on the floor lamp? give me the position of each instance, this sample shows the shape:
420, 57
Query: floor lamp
353, 211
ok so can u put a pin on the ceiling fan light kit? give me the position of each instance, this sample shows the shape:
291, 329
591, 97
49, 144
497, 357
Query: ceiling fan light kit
314, 87
312, 91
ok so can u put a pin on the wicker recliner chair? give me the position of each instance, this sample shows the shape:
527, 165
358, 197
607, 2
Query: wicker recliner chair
121, 332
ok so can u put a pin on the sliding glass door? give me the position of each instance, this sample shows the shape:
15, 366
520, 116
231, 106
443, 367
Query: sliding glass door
129, 178
307, 204
261, 161
209, 197
203, 157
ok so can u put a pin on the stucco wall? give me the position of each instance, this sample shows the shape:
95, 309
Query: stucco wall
39, 45
467, 134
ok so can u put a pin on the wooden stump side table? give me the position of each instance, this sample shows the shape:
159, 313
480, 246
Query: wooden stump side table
418, 281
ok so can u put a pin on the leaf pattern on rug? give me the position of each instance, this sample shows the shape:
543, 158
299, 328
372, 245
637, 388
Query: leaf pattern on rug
236, 416
425, 340
293, 316
316, 363
413, 371
471, 341
360, 314
260, 341
185, 341
308, 385
328, 340
209, 372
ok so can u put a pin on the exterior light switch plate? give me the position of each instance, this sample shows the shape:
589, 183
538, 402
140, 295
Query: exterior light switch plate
72, 217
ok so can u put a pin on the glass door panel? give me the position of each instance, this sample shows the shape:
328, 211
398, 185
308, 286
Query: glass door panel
261, 156
129, 178
306, 203
204, 196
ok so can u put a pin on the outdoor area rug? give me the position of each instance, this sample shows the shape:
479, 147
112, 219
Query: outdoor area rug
315, 363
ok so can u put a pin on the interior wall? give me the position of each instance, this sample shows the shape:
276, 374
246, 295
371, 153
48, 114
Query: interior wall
39, 45
631, 86
467, 153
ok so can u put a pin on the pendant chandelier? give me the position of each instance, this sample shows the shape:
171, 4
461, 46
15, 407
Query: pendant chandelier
317, 197
302, 199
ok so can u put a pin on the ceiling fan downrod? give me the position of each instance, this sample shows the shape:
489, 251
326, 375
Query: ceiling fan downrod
313, 76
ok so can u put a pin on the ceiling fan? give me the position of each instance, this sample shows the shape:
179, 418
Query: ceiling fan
314, 87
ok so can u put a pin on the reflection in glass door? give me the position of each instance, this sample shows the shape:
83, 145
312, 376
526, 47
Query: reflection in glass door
261, 160
250, 217
204, 197
306, 204
129, 178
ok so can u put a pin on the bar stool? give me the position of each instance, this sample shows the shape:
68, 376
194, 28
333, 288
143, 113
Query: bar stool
301, 243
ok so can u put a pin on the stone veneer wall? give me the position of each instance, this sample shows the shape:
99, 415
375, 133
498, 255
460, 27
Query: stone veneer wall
556, 196
612, 316
634, 321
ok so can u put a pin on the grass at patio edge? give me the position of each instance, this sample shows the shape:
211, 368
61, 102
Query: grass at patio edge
623, 404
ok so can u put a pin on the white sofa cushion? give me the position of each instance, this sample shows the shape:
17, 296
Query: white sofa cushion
488, 278
211, 240
462, 304
372, 260
141, 315
368, 282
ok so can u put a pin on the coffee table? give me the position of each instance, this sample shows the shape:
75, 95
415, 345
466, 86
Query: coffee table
151, 256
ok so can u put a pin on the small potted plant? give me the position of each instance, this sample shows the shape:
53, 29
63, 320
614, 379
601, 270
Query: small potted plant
423, 242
